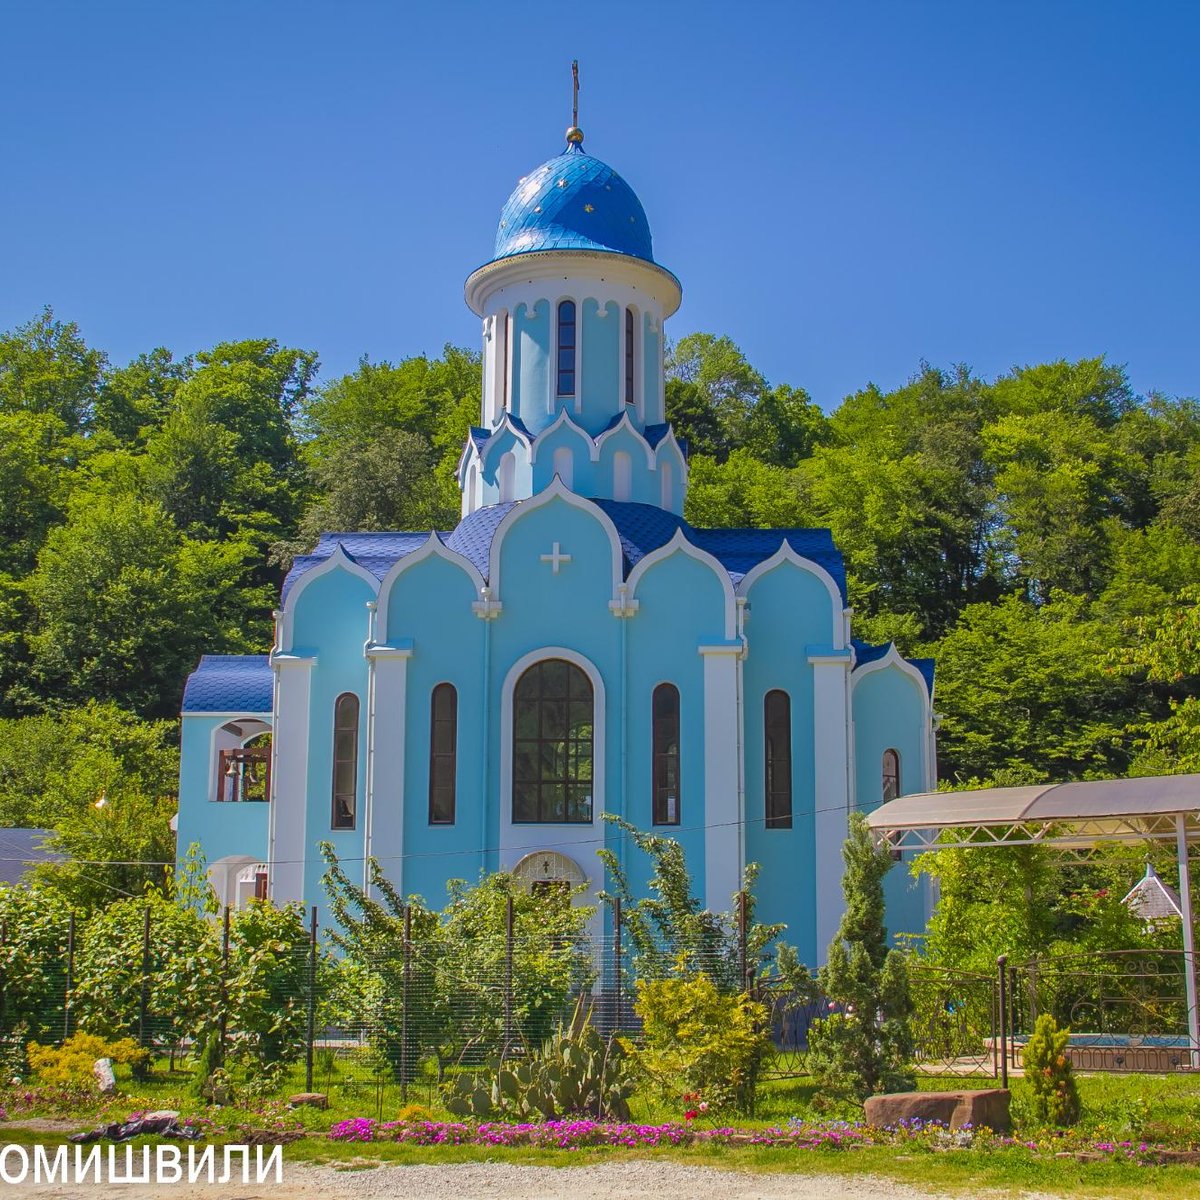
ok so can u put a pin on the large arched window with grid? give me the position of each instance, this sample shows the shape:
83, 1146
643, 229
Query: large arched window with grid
553, 744
345, 760
777, 728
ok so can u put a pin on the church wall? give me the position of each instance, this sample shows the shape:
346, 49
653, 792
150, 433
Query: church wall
330, 622
790, 609
583, 479
543, 610
652, 365
531, 369
890, 713
643, 478
222, 829
430, 604
506, 442
600, 359
681, 606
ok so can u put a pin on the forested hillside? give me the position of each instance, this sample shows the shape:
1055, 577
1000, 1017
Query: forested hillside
1038, 534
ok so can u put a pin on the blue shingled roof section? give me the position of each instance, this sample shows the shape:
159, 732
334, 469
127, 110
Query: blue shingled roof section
865, 653
926, 667
479, 437
230, 683
655, 434
641, 528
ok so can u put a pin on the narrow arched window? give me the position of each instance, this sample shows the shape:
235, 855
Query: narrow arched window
443, 753
622, 475
891, 774
666, 754
553, 730
506, 476
629, 397
345, 760
777, 727
666, 486
566, 348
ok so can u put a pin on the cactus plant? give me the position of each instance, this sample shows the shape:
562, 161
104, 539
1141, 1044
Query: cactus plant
577, 1072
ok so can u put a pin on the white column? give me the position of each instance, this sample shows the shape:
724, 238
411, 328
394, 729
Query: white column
831, 793
287, 848
386, 766
724, 836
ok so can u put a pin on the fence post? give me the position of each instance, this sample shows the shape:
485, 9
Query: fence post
617, 973
1002, 964
311, 1016
70, 977
1012, 1014
144, 994
223, 1015
742, 940
508, 972
406, 988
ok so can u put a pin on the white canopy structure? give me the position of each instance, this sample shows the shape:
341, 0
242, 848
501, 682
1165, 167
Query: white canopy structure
1071, 817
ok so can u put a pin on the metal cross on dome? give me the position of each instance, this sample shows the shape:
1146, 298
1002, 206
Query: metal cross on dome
556, 558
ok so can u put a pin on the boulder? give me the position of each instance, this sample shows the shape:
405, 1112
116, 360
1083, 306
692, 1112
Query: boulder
106, 1079
315, 1099
953, 1109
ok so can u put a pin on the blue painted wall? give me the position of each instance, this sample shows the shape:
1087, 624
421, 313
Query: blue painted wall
601, 365
531, 365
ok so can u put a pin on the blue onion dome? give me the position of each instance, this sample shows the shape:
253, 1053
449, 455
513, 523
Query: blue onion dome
574, 202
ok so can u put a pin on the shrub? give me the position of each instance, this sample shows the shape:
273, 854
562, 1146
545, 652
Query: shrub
1051, 1093
698, 1039
72, 1063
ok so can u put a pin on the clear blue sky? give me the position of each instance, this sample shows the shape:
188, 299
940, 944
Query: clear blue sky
844, 189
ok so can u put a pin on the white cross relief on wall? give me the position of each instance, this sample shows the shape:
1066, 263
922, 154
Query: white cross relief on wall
556, 558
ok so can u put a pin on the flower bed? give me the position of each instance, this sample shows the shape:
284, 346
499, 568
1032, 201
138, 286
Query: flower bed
796, 1134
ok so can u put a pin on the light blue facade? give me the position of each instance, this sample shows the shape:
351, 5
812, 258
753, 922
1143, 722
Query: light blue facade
571, 551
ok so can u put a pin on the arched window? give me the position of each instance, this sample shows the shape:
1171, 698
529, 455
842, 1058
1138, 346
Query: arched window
564, 465
666, 754
891, 774
506, 476
777, 726
629, 397
622, 475
665, 486
345, 760
553, 721
443, 753
566, 348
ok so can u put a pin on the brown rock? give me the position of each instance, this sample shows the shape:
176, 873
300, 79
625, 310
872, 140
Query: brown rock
953, 1109
315, 1099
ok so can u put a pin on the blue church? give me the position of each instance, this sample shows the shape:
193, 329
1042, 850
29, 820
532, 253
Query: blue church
478, 699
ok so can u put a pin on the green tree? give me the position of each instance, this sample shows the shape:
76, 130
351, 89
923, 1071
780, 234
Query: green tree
712, 410
32, 963
867, 1046
744, 492
124, 606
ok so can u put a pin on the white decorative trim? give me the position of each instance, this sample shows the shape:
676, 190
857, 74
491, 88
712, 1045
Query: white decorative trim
232, 715
433, 547
625, 424
621, 605
785, 554
506, 423
515, 836
724, 816
339, 560
555, 491
680, 545
563, 420
485, 607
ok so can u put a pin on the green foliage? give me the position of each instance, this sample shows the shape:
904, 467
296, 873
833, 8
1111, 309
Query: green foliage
70, 1064
576, 1072
698, 1039
457, 962
1052, 1094
867, 1046
35, 924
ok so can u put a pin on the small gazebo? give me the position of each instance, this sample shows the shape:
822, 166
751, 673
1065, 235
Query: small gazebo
1072, 818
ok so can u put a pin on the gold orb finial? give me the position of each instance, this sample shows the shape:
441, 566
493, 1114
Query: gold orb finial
574, 136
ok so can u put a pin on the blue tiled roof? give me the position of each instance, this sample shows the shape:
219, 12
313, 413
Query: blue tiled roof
230, 683
479, 437
926, 667
655, 434
640, 527
574, 202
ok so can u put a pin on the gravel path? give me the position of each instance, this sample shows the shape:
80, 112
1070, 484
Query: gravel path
492, 1181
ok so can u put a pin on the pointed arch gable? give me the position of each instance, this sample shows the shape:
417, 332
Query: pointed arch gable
557, 490
680, 545
339, 560
627, 427
562, 422
894, 661
432, 547
786, 555
518, 434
